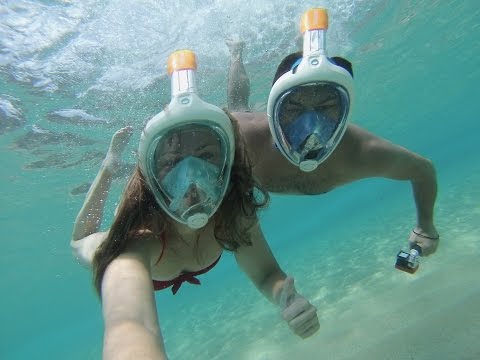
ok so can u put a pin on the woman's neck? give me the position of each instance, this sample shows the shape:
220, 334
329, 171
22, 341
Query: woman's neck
186, 233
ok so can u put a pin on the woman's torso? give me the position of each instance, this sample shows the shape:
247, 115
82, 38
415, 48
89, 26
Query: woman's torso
173, 254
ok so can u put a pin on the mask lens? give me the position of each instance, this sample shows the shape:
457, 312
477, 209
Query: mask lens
197, 141
308, 117
190, 164
192, 178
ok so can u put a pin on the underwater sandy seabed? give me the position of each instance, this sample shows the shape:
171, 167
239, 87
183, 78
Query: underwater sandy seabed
376, 312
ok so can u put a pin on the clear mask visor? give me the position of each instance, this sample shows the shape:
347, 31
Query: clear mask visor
309, 120
191, 172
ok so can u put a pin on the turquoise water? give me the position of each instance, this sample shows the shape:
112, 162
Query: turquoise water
416, 71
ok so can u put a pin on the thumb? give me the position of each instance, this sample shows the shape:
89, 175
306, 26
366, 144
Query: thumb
287, 293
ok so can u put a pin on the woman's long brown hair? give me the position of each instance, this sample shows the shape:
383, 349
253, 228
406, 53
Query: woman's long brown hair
139, 210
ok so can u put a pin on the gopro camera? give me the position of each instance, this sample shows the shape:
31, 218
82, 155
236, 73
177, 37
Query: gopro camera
409, 261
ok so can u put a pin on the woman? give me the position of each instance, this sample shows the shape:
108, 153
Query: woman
190, 198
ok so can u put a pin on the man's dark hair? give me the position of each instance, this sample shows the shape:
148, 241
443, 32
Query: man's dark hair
287, 63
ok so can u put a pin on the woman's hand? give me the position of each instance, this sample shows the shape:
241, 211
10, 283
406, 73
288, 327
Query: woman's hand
113, 162
297, 311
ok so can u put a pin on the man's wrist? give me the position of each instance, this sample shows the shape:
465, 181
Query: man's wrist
426, 236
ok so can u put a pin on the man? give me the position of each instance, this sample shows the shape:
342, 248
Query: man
358, 154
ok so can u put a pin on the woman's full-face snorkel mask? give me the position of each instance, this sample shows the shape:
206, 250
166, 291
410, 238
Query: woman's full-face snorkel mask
308, 107
186, 152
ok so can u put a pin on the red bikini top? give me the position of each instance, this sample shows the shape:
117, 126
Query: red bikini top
189, 277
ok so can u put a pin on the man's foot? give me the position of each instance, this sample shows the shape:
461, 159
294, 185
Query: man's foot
118, 144
235, 46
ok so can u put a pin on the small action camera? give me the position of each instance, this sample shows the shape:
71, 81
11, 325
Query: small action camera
409, 261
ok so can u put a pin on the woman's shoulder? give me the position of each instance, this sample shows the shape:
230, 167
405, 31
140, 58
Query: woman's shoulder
147, 243
84, 249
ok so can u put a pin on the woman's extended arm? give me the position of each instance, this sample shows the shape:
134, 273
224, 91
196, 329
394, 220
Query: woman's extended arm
132, 329
86, 236
89, 218
260, 265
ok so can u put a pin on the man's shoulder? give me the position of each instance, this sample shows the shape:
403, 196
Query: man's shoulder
252, 123
250, 116
356, 146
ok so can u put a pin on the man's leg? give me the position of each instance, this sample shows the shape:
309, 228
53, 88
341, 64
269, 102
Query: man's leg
238, 82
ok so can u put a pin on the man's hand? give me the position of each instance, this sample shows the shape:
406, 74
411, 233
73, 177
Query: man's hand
427, 241
297, 311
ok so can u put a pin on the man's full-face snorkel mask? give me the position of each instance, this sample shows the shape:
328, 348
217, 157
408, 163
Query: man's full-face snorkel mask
308, 107
186, 152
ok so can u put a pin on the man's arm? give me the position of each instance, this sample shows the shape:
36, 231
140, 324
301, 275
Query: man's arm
260, 265
132, 329
378, 157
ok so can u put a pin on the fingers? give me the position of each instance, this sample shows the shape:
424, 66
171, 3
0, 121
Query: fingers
304, 321
311, 328
306, 324
123, 133
301, 317
296, 308
297, 311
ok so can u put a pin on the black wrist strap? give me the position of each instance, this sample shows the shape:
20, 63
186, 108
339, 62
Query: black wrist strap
425, 236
